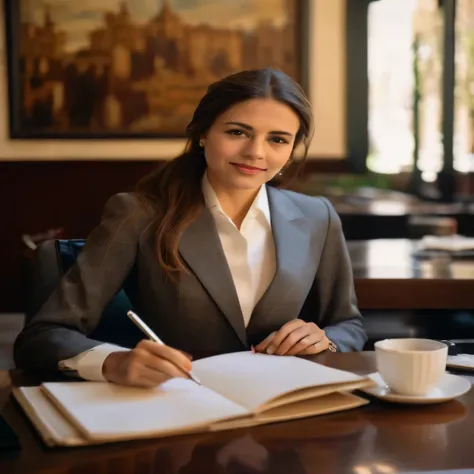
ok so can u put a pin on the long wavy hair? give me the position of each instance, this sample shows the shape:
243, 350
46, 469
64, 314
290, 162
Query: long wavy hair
174, 189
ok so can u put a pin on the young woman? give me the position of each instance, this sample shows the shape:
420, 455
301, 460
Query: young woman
223, 260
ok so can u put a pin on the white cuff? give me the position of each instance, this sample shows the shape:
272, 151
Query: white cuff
88, 364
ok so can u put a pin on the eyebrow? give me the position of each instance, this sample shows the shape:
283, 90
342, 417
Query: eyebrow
249, 128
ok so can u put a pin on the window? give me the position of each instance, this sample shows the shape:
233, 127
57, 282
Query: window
405, 71
463, 147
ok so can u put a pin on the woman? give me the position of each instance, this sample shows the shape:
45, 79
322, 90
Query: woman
222, 260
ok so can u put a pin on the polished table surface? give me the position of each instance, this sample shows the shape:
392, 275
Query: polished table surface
377, 438
399, 207
388, 276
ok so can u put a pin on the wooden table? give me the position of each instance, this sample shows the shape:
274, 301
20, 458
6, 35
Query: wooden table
392, 217
388, 276
387, 437
399, 205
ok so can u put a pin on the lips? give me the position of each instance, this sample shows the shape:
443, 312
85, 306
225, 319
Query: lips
248, 167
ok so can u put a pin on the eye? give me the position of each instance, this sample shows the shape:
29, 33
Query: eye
235, 132
279, 140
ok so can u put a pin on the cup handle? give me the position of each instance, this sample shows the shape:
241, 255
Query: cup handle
452, 348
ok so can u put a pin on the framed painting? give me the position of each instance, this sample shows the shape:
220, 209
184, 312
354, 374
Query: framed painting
137, 68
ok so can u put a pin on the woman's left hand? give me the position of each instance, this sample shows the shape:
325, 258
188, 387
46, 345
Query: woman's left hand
296, 337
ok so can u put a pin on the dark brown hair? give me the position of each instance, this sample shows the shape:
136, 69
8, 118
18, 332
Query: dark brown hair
174, 189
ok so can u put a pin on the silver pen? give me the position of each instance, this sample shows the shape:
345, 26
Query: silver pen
151, 335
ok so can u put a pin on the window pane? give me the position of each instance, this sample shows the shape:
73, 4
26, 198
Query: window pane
464, 87
405, 62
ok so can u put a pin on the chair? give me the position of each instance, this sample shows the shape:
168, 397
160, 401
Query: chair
53, 258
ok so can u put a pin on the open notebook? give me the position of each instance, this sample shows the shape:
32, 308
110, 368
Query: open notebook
239, 390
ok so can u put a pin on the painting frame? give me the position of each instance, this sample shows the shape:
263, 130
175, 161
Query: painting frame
18, 130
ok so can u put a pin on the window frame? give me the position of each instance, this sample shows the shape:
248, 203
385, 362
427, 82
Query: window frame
357, 95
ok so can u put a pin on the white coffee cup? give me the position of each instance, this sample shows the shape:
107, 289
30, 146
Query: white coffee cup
411, 366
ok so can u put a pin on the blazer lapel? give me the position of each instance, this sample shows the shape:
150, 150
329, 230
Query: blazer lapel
292, 235
201, 248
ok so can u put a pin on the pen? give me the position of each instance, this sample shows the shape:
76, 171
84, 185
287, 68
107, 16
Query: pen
151, 335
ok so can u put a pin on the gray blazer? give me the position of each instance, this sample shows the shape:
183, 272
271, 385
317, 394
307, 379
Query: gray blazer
201, 314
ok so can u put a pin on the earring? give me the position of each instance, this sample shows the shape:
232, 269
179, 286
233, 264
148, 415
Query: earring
201, 143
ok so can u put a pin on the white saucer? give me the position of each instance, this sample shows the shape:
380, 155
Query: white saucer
451, 386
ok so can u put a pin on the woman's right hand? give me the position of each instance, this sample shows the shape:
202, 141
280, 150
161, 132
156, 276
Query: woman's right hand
148, 364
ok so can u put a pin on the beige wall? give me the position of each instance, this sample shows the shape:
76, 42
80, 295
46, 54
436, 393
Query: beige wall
327, 92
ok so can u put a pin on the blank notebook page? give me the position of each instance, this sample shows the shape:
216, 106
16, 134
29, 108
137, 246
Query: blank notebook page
252, 379
109, 411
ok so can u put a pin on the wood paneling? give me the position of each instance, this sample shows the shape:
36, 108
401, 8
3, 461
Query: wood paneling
39, 196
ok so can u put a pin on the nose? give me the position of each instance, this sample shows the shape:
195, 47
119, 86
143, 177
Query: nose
255, 149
